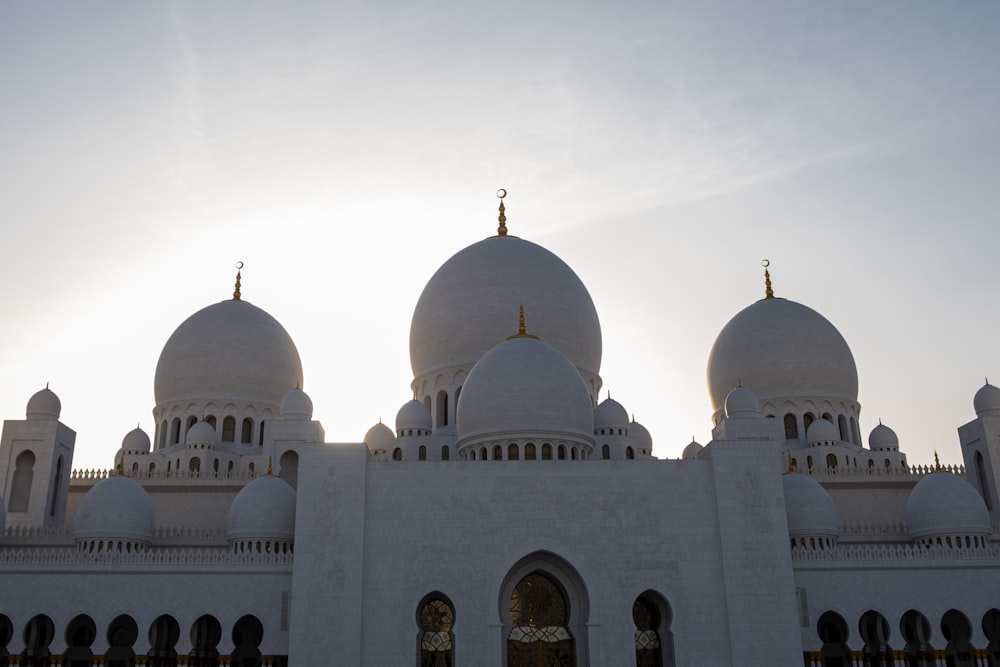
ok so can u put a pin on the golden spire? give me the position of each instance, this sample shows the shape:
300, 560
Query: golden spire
522, 331
768, 292
236, 293
120, 468
502, 229
791, 465
270, 472
937, 463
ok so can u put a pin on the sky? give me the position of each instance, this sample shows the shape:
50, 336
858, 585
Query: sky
343, 151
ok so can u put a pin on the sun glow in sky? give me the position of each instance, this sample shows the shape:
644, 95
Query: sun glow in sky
344, 151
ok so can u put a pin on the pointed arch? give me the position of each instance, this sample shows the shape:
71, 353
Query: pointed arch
435, 639
24, 473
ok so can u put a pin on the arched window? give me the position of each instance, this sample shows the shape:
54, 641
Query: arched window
288, 468
546, 451
194, 465
24, 472
472, 454
192, 420
482, 454
229, 429
629, 453
422, 453
654, 645
809, 462
260, 434
446, 453
163, 434
175, 431
842, 424
529, 452
246, 433
512, 453
831, 461
807, 420
442, 409
211, 420
497, 453
436, 618
791, 427
874, 631
562, 452
56, 487
397, 454
833, 633
539, 616
984, 487
855, 438
605, 452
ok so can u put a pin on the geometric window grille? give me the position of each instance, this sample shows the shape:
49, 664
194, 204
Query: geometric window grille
647, 641
539, 636
436, 643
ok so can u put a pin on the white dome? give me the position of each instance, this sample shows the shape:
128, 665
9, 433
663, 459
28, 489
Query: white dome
691, 451
415, 415
781, 349
741, 403
44, 404
379, 436
641, 435
117, 507
229, 350
296, 405
524, 386
945, 504
468, 306
987, 399
882, 437
809, 508
137, 441
201, 433
822, 430
610, 414
264, 509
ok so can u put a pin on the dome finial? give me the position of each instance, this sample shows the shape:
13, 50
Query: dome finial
270, 471
791, 465
768, 292
502, 229
236, 292
522, 331
937, 462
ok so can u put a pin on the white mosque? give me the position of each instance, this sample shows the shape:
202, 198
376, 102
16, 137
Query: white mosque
511, 518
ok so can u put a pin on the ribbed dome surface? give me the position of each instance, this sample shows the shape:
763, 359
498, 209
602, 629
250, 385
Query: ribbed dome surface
229, 350
945, 504
524, 386
44, 404
136, 440
117, 507
379, 435
809, 508
264, 509
610, 414
415, 415
781, 349
471, 302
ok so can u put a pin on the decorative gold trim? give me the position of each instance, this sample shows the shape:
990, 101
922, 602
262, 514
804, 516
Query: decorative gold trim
502, 229
768, 292
236, 292
522, 331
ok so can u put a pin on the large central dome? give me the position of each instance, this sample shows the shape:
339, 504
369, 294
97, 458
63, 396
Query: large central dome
471, 303
229, 350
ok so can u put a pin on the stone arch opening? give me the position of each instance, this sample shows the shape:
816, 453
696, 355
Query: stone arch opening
80, 635
288, 468
654, 641
832, 629
248, 633
206, 632
38, 635
435, 640
957, 631
20, 488
915, 630
122, 633
163, 635
874, 631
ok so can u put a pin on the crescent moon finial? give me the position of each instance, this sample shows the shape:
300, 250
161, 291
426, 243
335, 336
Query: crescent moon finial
502, 229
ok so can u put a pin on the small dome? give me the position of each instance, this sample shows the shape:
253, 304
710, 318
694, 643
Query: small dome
525, 386
945, 504
691, 451
117, 507
987, 399
822, 430
379, 436
415, 415
882, 437
610, 414
296, 405
229, 350
741, 403
264, 509
201, 433
44, 405
643, 439
137, 441
809, 508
